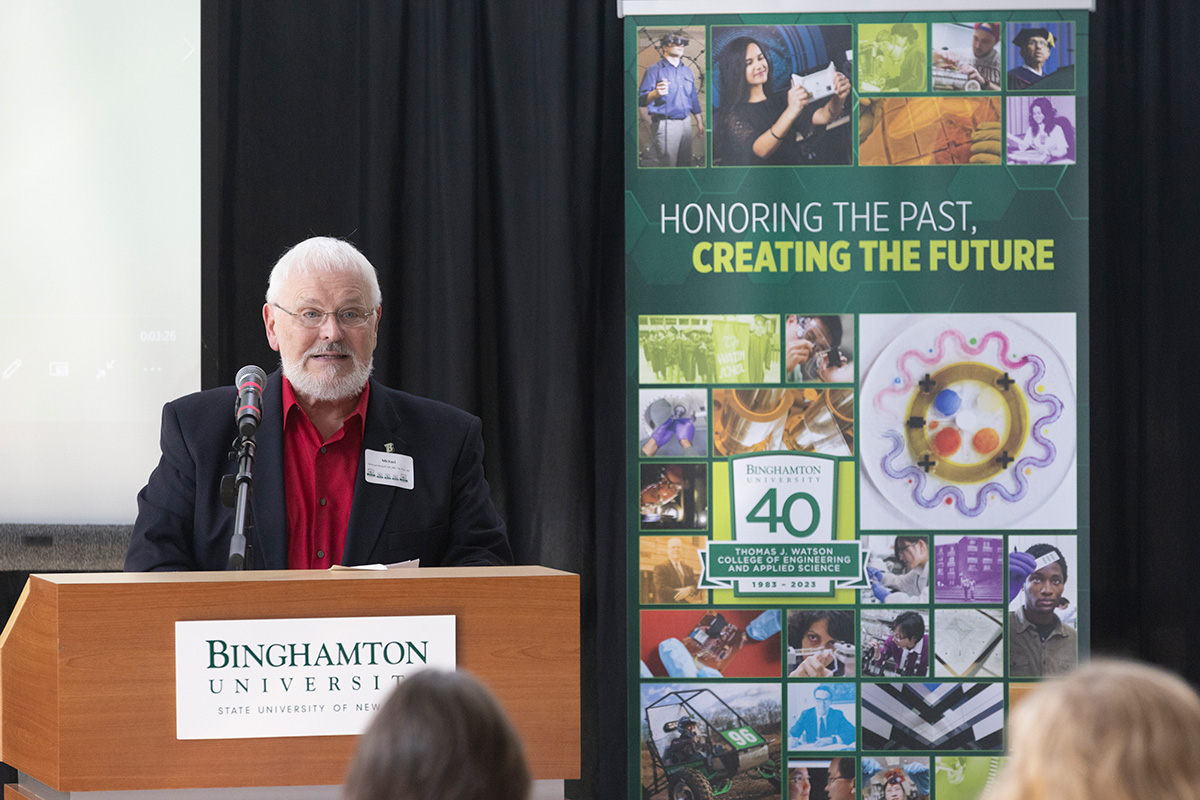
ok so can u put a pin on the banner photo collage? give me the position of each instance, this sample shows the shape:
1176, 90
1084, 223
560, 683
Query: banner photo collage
857, 281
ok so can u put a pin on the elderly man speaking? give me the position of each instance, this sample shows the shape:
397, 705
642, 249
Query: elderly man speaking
320, 495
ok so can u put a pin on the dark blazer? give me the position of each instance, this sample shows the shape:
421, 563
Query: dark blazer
446, 519
807, 728
666, 581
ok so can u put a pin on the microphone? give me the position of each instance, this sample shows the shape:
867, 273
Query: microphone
250, 382
248, 412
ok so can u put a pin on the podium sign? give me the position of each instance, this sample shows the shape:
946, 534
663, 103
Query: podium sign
244, 679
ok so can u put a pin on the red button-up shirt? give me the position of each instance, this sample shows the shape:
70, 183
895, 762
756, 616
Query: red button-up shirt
319, 481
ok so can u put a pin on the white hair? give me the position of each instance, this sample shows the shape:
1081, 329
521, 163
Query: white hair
330, 386
323, 254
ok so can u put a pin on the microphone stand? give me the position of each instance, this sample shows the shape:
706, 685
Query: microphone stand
239, 558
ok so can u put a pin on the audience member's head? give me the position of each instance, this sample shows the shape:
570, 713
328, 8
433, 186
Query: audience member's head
1112, 729
440, 736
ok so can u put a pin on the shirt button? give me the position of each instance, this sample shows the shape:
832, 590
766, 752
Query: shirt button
322, 449
320, 554
321, 501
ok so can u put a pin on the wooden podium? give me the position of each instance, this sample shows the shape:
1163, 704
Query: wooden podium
87, 672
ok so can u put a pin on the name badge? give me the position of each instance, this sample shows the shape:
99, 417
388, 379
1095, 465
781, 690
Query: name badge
390, 469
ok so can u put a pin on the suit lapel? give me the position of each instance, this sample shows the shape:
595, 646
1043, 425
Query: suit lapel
372, 500
270, 514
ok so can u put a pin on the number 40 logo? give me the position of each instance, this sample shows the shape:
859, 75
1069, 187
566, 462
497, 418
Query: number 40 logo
765, 511
782, 497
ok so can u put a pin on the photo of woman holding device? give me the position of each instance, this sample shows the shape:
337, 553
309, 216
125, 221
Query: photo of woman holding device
763, 118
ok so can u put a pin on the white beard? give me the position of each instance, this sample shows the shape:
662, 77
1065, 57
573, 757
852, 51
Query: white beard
332, 385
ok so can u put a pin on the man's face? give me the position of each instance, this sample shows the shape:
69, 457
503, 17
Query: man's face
1044, 588
809, 328
329, 362
675, 549
1036, 51
894, 791
822, 699
817, 332
675, 49
982, 43
836, 787
900, 639
800, 784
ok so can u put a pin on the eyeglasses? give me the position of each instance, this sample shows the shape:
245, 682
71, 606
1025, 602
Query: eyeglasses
815, 332
675, 38
348, 317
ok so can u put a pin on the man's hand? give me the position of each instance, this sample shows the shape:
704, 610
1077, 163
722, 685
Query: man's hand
947, 60
798, 352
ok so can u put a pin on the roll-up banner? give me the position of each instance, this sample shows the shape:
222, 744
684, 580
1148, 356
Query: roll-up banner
856, 270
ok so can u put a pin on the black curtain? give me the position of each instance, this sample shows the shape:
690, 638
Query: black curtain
1144, 300
474, 152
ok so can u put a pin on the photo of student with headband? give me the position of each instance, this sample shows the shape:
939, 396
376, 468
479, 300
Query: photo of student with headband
1039, 642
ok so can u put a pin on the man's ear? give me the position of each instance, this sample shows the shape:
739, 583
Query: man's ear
269, 320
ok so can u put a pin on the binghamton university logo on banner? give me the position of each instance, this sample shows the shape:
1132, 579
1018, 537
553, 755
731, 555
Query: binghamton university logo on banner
784, 509
856, 271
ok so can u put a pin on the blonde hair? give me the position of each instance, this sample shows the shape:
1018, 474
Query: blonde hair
1113, 729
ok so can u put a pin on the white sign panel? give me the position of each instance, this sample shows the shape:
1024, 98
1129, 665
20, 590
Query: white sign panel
784, 499
246, 679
